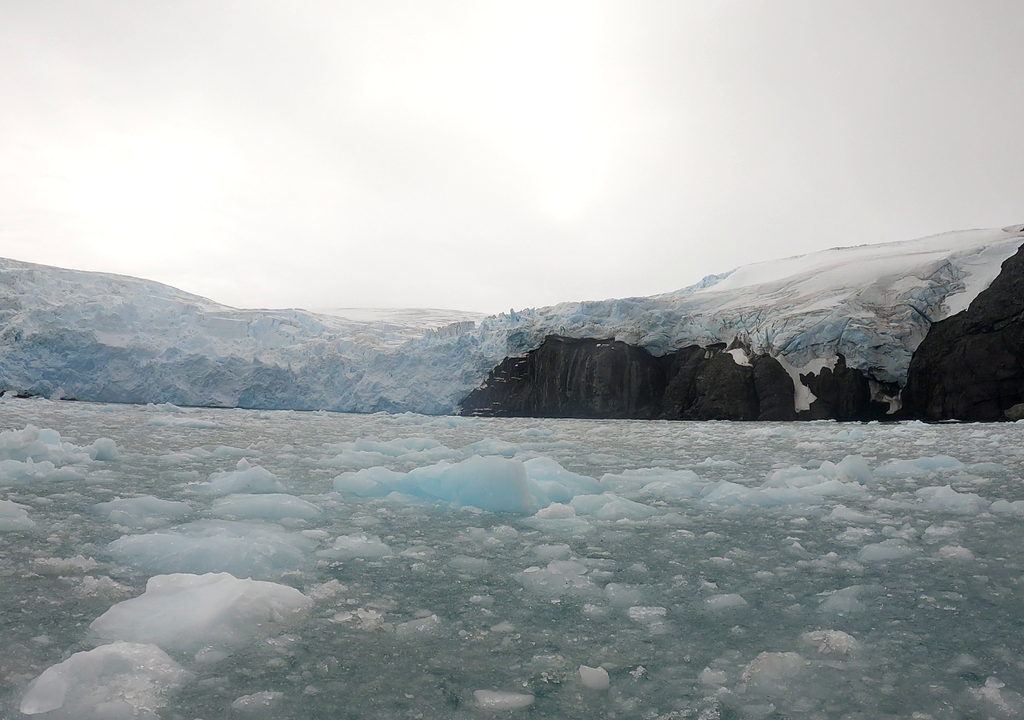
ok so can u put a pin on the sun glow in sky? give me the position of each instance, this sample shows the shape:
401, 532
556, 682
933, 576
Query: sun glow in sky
483, 155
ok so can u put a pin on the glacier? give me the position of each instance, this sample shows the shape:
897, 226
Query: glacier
101, 337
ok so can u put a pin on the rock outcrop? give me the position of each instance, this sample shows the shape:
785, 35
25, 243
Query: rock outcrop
971, 366
841, 393
709, 384
585, 378
573, 378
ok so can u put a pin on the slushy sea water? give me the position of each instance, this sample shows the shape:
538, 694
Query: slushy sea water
169, 562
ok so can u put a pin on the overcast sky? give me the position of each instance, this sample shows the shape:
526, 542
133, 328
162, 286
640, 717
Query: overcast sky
483, 156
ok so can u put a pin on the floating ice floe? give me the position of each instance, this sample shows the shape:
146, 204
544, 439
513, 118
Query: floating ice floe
609, 506
831, 642
946, 499
622, 595
727, 493
180, 421
267, 506
245, 478
186, 613
356, 545
1007, 508
550, 482
35, 454
488, 483
422, 626
560, 577
14, 517
556, 511
498, 700
119, 681
892, 549
64, 567
772, 673
256, 701
727, 601
841, 513
245, 549
921, 467
595, 678
994, 696
146, 511
845, 601
366, 453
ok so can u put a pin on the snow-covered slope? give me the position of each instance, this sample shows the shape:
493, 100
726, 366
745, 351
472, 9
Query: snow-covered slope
107, 337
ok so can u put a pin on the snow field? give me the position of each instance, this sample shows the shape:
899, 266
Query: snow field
557, 568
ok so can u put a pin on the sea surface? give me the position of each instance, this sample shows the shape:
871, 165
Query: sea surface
405, 566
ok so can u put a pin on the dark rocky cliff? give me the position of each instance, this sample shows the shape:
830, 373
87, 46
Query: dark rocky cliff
971, 366
585, 378
708, 384
842, 393
572, 377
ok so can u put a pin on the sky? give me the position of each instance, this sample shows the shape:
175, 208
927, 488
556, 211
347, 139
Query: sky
485, 156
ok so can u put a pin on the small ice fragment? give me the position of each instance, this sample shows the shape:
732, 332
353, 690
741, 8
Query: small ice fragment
718, 603
622, 595
955, 552
771, 672
77, 565
423, 626
498, 700
831, 642
552, 552
245, 478
104, 449
894, 549
841, 513
466, 564
256, 701
595, 678
356, 545
266, 506
711, 677
557, 511
14, 517
142, 512
642, 613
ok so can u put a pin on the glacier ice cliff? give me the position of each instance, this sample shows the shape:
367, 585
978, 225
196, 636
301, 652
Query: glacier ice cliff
94, 336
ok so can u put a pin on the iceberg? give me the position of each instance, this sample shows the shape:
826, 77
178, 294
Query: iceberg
187, 613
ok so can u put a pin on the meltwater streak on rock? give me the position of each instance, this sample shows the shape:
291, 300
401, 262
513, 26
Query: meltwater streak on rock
971, 366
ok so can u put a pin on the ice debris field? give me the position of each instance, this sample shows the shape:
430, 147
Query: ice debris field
160, 562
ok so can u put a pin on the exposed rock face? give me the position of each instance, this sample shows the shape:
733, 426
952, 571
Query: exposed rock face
971, 366
774, 388
708, 384
571, 377
842, 393
582, 378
